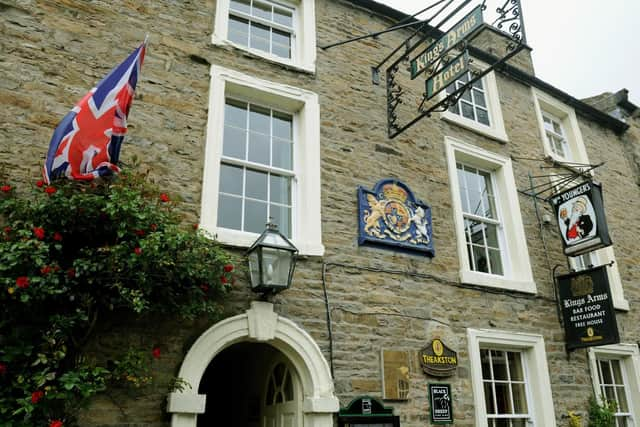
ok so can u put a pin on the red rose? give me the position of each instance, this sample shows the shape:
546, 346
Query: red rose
36, 396
156, 352
3, 368
153, 227
38, 232
164, 198
40, 183
204, 287
56, 423
57, 236
228, 268
223, 279
45, 270
138, 251
195, 226
139, 232
22, 282
50, 190
71, 273
7, 229
5, 188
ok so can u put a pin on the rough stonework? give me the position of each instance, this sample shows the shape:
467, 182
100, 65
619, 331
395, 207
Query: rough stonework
53, 52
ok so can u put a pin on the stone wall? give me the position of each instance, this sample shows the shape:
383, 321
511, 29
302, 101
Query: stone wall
54, 51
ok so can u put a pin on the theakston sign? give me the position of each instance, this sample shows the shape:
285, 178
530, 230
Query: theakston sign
581, 218
587, 309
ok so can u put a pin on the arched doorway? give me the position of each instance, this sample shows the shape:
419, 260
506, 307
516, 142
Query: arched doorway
273, 350
250, 385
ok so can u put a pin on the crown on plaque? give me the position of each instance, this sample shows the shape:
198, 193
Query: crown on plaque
394, 192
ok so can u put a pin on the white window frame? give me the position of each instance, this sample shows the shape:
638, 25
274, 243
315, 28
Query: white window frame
304, 105
569, 122
516, 265
496, 130
532, 349
629, 357
578, 154
303, 39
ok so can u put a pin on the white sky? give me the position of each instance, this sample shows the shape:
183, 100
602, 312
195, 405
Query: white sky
583, 47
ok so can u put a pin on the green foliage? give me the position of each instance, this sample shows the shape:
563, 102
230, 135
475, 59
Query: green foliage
69, 255
602, 415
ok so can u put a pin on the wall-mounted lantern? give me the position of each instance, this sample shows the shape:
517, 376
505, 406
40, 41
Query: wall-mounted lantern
272, 259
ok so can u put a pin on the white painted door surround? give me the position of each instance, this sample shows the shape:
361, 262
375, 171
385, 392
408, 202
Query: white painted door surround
260, 324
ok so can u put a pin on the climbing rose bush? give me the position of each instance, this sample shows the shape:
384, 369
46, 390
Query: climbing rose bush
70, 254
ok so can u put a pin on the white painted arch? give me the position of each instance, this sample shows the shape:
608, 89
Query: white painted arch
258, 324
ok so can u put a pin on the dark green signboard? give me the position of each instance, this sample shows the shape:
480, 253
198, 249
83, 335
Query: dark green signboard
587, 309
447, 75
455, 35
440, 403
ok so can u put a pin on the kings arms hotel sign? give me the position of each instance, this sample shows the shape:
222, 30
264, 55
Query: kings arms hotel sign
390, 216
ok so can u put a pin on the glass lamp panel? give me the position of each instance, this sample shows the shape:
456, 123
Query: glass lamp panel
275, 266
254, 267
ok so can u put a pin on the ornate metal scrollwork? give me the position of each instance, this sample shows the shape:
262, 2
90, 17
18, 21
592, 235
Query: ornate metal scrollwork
394, 94
511, 12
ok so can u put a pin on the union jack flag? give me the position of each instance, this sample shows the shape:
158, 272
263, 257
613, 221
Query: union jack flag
86, 143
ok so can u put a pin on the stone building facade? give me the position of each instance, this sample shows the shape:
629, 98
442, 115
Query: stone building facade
316, 128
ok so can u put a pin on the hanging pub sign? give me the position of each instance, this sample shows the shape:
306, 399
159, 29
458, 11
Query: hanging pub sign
581, 218
587, 309
440, 403
438, 360
390, 216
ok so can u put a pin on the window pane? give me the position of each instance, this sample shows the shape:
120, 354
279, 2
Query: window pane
617, 374
281, 189
606, 372
282, 38
467, 110
282, 126
260, 37
486, 192
282, 154
281, 216
239, 31
499, 365
483, 116
234, 143
478, 98
255, 216
240, 5
259, 120
488, 398
495, 260
480, 258
259, 148
256, 186
261, 10
486, 369
283, 51
519, 399
515, 366
231, 179
283, 17
463, 188
229, 212
503, 399
235, 114
466, 95
622, 400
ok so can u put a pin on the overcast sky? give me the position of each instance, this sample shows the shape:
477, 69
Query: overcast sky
583, 47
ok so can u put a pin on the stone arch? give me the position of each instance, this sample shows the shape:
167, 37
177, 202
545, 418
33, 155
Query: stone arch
258, 324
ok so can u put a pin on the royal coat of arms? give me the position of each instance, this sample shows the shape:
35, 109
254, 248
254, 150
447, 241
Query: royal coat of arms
390, 215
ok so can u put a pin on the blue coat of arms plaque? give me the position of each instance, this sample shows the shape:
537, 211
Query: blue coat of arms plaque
391, 216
